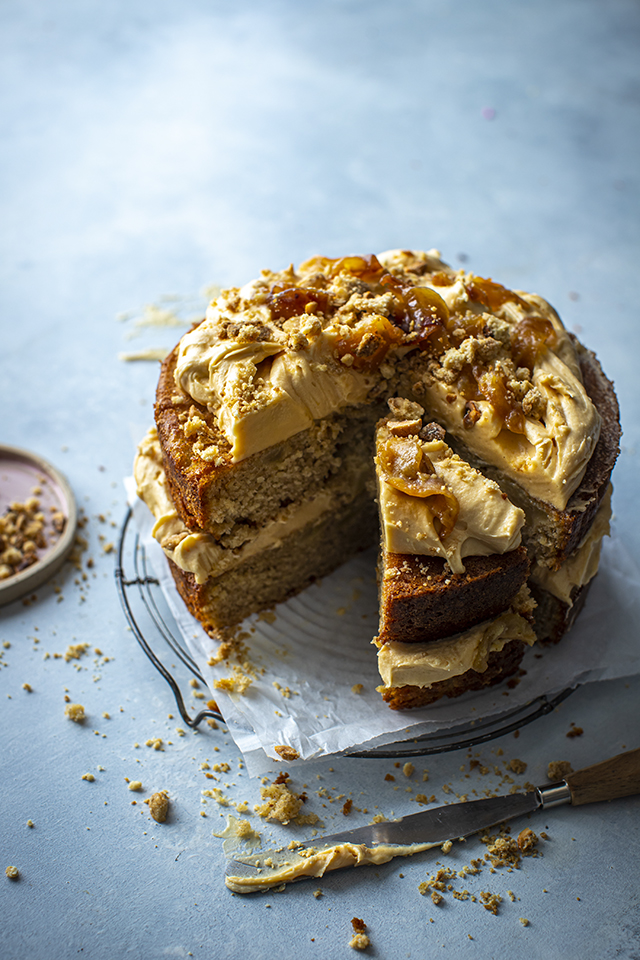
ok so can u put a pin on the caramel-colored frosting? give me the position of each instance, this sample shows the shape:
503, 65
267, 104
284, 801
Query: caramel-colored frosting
496, 366
431, 502
315, 862
422, 664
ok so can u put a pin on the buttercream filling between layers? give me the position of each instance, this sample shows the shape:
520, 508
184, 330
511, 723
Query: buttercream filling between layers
423, 664
198, 552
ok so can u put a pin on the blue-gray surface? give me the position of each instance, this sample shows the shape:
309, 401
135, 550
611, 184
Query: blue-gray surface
152, 148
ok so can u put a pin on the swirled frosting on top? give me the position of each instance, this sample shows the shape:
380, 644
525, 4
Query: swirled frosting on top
431, 502
494, 365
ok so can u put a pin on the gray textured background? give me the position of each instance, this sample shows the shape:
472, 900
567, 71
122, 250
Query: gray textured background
152, 148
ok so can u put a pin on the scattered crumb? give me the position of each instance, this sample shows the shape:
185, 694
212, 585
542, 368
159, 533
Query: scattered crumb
558, 770
75, 650
88, 776
527, 839
524, 921
282, 804
135, 785
12, 872
518, 766
317, 894
359, 941
27, 687
408, 769
30, 823
575, 731
357, 688
446, 846
158, 805
75, 712
346, 807
490, 901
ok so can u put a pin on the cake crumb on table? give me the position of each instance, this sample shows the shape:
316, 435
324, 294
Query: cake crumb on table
12, 872
135, 785
75, 712
517, 766
158, 805
490, 901
359, 940
527, 839
88, 776
558, 770
282, 804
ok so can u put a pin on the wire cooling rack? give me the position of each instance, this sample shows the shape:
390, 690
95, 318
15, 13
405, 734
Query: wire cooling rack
155, 630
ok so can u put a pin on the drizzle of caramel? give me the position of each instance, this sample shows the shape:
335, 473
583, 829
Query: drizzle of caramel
405, 466
421, 311
419, 315
369, 342
493, 387
530, 339
490, 294
287, 302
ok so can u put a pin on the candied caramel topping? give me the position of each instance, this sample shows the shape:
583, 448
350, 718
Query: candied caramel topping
404, 465
431, 501
295, 346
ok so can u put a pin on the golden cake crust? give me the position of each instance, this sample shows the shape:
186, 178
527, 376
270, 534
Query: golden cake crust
422, 601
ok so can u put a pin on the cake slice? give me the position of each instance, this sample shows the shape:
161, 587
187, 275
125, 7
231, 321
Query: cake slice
452, 571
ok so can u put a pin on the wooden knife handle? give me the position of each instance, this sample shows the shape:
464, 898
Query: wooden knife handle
617, 777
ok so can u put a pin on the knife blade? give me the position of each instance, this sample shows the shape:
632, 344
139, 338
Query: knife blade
378, 843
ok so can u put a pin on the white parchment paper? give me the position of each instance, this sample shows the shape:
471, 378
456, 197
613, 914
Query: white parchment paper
319, 646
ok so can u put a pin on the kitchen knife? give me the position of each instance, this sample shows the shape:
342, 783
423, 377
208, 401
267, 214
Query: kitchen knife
377, 843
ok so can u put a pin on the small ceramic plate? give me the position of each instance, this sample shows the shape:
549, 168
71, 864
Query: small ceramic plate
24, 475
